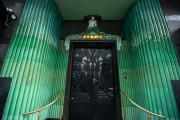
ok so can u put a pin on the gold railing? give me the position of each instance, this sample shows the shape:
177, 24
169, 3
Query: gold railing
125, 96
41, 109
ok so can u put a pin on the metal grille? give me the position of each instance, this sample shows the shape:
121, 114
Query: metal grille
92, 76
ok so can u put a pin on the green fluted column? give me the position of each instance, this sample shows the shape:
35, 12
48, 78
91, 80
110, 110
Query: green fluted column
154, 62
31, 59
59, 79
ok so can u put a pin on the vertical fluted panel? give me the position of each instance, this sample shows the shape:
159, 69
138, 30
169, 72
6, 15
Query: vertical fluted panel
31, 59
59, 79
154, 62
127, 84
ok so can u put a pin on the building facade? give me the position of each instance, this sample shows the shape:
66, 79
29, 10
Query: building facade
37, 62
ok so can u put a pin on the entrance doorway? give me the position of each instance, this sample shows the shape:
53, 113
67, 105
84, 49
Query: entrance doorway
93, 82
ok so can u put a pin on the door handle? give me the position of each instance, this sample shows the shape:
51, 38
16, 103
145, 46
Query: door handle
94, 80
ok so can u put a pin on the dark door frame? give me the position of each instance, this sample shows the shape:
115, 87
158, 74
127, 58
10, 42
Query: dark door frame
95, 44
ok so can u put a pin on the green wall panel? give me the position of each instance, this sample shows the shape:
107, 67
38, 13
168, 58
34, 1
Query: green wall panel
59, 79
31, 60
37, 62
150, 62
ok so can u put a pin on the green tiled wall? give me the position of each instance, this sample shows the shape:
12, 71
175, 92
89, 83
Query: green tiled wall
37, 62
31, 60
59, 79
150, 62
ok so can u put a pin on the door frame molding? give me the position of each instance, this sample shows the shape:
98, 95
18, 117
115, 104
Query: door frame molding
95, 44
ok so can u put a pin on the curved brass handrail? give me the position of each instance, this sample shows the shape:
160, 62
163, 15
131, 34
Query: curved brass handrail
143, 109
40, 109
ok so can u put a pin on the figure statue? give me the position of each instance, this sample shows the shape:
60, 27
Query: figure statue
92, 23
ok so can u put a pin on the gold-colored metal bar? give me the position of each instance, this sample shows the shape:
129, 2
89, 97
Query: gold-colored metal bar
40, 109
149, 116
60, 112
124, 102
151, 113
39, 116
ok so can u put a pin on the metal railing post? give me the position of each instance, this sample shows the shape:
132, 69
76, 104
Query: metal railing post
124, 102
39, 116
149, 116
60, 112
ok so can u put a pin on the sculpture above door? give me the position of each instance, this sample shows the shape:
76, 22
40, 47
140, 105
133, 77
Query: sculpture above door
92, 33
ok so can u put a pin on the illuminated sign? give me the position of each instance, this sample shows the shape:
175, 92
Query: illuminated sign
92, 36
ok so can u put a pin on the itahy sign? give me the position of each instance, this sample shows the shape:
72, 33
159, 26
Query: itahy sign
92, 36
